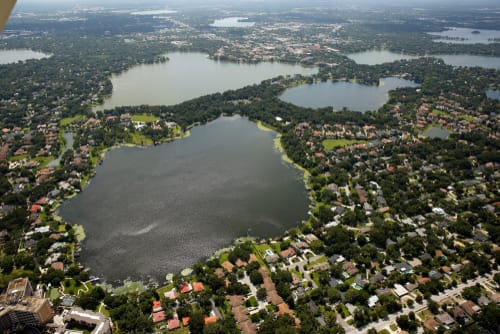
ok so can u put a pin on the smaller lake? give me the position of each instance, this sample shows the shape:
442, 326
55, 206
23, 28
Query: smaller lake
466, 36
15, 55
69, 139
232, 22
187, 76
154, 12
471, 61
353, 96
376, 57
436, 132
493, 94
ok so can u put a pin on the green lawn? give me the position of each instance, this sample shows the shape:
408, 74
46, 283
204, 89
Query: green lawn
140, 139
18, 157
223, 258
320, 260
43, 161
147, 118
69, 120
54, 294
330, 144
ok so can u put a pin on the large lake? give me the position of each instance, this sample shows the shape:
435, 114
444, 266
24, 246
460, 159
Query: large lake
15, 55
375, 57
189, 75
150, 211
342, 94
467, 36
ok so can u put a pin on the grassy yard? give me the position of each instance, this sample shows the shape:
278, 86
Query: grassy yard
320, 260
330, 144
18, 157
54, 294
43, 161
140, 139
69, 120
146, 118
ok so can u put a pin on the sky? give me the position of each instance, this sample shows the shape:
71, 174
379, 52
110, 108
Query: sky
66, 4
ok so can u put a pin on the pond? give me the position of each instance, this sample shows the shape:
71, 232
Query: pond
151, 211
68, 139
342, 94
232, 22
493, 94
436, 132
189, 75
467, 36
376, 57
14, 55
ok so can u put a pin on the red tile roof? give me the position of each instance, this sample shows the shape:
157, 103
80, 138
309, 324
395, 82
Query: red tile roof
156, 305
198, 287
158, 316
185, 287
209, 320
185, 321
173, 324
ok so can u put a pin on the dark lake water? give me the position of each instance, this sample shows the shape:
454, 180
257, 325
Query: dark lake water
375, 57
353, 96
15, 55
187, 76
493, 94
151, 211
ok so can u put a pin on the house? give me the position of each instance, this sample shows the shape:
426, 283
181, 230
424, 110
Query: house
157, 306
350, 268
460, 316
185, 288
431, 324
210, 320
287, 253
159, 317
173, 324
198, 287
435, 275
57, 266
372, 301
300, 245
310, 238
400, 290
336, 259
483, 301
228, 266
423, 280
273, 258
470, 308
185, 321
240, 263
171, 294
377, 278
445, 319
